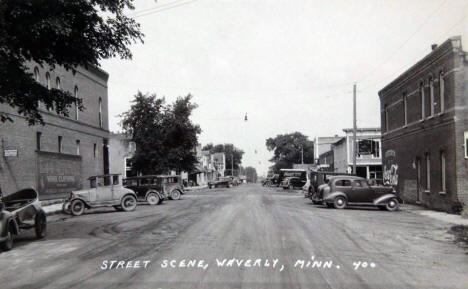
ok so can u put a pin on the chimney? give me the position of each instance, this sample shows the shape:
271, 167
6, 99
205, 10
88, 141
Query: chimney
433, 46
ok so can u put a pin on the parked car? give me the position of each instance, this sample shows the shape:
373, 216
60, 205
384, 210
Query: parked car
315, 179
225, 182
342, 191
292, 183
104, 191
271, 180
21, 211
288, 173
155, 188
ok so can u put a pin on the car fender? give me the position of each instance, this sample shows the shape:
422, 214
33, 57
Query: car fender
11, 223
87, 204
154, 191
331, 196
383, 199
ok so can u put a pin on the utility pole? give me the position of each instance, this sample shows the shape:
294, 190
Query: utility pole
354, 129
232, 164
302, 154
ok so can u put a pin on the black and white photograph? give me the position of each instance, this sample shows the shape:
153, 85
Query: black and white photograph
234, 144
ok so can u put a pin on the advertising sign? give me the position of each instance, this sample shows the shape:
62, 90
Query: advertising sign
58, 173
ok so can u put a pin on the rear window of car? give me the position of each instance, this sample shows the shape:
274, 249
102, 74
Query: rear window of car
343, 183
147, 181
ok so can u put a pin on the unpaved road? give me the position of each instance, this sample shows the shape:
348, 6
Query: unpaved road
267, 226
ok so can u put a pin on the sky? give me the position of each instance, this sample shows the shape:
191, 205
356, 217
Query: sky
290, 65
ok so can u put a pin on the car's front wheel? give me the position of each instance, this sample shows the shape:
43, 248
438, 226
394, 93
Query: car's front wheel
175, 195
152, 199
392, 205
40, 225
339, 202
7, 245
77, 207
128, 203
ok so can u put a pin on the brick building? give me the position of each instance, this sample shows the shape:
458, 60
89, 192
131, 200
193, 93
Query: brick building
369, 154
424, 121
60, 156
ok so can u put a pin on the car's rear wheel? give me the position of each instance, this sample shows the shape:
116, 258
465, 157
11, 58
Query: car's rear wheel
77, 207
339, 202
152, 199
392, 205
128, 203
7, 245
40, 225
161, 200
175, 195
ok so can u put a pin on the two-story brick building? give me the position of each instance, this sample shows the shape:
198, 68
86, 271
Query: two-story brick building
424, 120
59, 156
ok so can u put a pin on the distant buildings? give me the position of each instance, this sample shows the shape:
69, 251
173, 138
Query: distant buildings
60, 156
424, 119
121, 150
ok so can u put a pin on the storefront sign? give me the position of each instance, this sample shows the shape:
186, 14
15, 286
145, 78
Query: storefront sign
10, 153
58, 173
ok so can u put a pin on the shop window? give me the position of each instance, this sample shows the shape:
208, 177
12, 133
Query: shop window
442, 91
442, 172
59, 144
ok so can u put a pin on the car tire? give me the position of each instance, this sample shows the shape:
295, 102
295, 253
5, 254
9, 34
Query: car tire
339, 202
66, 208
77, 207
161, 200
128, 203
7, 245
392, 205
40, 225
153, 199
175, 195
118, 208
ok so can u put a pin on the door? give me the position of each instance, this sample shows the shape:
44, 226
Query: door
419, 189
362, 193
104, 190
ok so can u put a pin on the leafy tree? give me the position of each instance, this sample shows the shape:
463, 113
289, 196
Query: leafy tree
287, 150
230, 151
164, 134
69, 33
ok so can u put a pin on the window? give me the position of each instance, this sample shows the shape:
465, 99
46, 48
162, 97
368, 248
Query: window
405, 111
36, 74
466, 144
47, 76
431, 93
78, 147
442, 91
386, 117
77, 110
421, 92
60, 144
100, 112
428, 172
95, 150
343, 183
360, 184
38, 140
442, 172
57, 82
115, 180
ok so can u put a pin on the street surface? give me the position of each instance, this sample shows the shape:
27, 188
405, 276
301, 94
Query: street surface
249, 222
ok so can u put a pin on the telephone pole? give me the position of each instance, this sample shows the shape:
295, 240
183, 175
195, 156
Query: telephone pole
354, 129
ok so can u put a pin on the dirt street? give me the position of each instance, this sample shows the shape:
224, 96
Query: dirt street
244, 237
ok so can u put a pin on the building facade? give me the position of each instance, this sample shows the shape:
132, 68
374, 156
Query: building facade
327, 161
424, 120
323, 145
121, 150
368, 154
59, 156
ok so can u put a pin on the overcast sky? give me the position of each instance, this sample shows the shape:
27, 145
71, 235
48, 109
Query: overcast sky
288, 64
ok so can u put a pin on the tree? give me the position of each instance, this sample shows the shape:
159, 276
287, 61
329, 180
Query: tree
230, 152
69, 33
288, 148
251, 174
164, 134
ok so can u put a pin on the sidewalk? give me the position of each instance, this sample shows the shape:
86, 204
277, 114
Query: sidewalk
195, 188
52, 207
441, 216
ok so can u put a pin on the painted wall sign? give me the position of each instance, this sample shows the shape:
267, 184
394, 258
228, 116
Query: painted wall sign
58, 173
10, 153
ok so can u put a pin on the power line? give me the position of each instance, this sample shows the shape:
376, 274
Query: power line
153, 8
165, 8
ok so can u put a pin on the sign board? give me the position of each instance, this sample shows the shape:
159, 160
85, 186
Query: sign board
58, 173
10, 153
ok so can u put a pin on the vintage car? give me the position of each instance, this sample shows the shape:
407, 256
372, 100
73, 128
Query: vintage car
20, 211
271, 180
292, 182
342, 191
315, 179
225, 182
155, 188
104, 191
